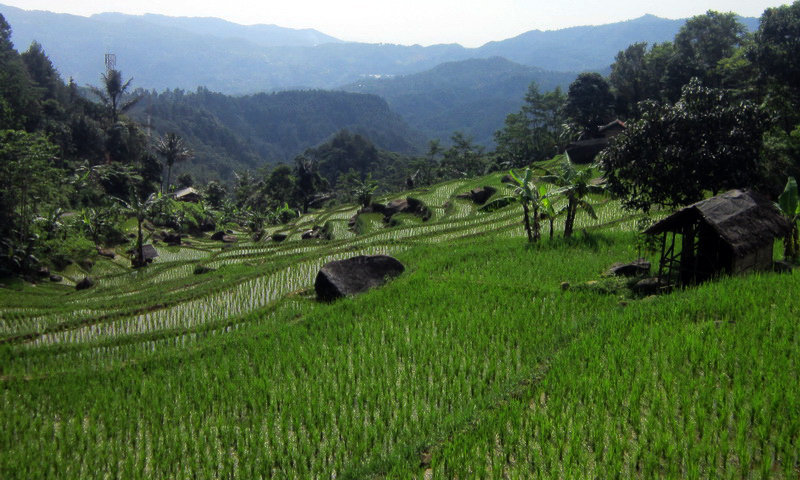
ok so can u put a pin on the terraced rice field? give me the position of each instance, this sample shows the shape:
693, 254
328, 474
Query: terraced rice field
473, 364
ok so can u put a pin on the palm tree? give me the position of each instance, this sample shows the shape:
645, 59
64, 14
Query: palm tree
574, 186
112, 93
172, 148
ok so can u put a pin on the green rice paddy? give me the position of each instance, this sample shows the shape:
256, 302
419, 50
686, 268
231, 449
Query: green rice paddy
472, 364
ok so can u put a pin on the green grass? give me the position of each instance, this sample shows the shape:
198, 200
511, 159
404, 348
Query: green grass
475, 356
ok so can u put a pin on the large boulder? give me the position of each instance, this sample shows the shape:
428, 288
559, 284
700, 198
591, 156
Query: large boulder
479, 195
355, 275
87, 282
406, 205
171, 238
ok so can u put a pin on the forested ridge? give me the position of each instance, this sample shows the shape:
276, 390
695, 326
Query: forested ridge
229, 134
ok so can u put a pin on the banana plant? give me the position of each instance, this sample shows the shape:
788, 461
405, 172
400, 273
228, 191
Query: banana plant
574, 186
789, 201
549, 211
530, 196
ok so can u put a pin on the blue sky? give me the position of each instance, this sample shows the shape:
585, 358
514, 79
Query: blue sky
468, 22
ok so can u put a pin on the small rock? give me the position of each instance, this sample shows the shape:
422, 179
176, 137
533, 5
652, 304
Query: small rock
106, 252
592, 283
43, 272
636, 268
647, 286
278, 237
55, 278
86, 264
229, 239
564, 285
87, 282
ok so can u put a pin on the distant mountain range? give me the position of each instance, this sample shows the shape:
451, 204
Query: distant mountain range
473, 96
166, 52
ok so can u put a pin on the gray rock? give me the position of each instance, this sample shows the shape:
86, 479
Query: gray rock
171, 238
479, 195
87, 282
355, 275
56, 278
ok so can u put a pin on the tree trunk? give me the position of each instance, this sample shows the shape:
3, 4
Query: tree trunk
791, 245
139, 246
537, 229
551, 228
570, 220
527, 221
169, 173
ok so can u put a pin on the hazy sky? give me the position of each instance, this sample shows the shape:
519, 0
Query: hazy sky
468, 22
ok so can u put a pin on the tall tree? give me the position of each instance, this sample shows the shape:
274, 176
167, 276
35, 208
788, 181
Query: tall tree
673, 153
776, 53
536, 131
704, 41
464, 158
629, 78
590, 103
19, 101
174, 150
113, 94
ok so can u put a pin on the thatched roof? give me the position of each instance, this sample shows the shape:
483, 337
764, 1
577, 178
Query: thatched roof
744, 220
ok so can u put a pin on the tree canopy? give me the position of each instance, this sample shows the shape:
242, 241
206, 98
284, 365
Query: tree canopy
673, 153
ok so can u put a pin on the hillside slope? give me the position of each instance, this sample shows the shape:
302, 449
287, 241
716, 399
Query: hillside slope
236, 133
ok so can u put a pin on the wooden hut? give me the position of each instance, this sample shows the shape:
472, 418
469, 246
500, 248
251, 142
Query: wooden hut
731, 233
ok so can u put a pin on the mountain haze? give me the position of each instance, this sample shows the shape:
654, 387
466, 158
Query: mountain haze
164, 52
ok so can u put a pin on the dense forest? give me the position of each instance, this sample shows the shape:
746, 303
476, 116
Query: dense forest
713, 109
229, 134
